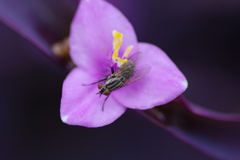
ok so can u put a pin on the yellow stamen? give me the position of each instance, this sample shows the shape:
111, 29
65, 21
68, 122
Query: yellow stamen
115, 55
117, 39
117, 35
122, 60
128, 50
116, 44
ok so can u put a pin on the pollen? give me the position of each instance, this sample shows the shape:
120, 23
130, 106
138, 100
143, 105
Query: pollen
128, 50
115, 55
122, 60
117, 42
117, 39
117, 35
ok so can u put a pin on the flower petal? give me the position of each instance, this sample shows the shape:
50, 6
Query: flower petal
162, 84
91, 34
215, 134
81, 106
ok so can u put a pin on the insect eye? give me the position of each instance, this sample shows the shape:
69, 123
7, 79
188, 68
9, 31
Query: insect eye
100, 85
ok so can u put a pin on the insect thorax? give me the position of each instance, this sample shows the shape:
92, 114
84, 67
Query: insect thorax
114, 83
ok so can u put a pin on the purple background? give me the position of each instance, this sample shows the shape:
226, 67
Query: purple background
201, 37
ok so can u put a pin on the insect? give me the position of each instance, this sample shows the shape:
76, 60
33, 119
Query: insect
127, 74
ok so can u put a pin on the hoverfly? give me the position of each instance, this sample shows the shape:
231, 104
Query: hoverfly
127, 74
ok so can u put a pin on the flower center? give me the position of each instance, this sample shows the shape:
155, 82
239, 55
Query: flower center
117, 42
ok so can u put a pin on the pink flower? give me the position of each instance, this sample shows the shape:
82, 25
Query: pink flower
214, 133
94, 39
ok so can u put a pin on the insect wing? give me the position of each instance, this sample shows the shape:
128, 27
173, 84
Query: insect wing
135, 57
126, 70
140, 72
128, 65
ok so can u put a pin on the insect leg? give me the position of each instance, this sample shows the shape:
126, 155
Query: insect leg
104, 102
99, 94
112, 70
103, 79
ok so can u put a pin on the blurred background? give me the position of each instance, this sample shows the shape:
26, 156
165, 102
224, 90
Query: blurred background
201, 37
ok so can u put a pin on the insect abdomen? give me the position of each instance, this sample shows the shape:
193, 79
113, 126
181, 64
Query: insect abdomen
127, 69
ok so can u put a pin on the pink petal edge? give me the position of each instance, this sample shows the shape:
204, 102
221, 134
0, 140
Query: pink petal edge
161, 85
81, 106
91, 35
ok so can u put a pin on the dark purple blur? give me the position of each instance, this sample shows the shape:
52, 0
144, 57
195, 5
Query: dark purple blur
201, 37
